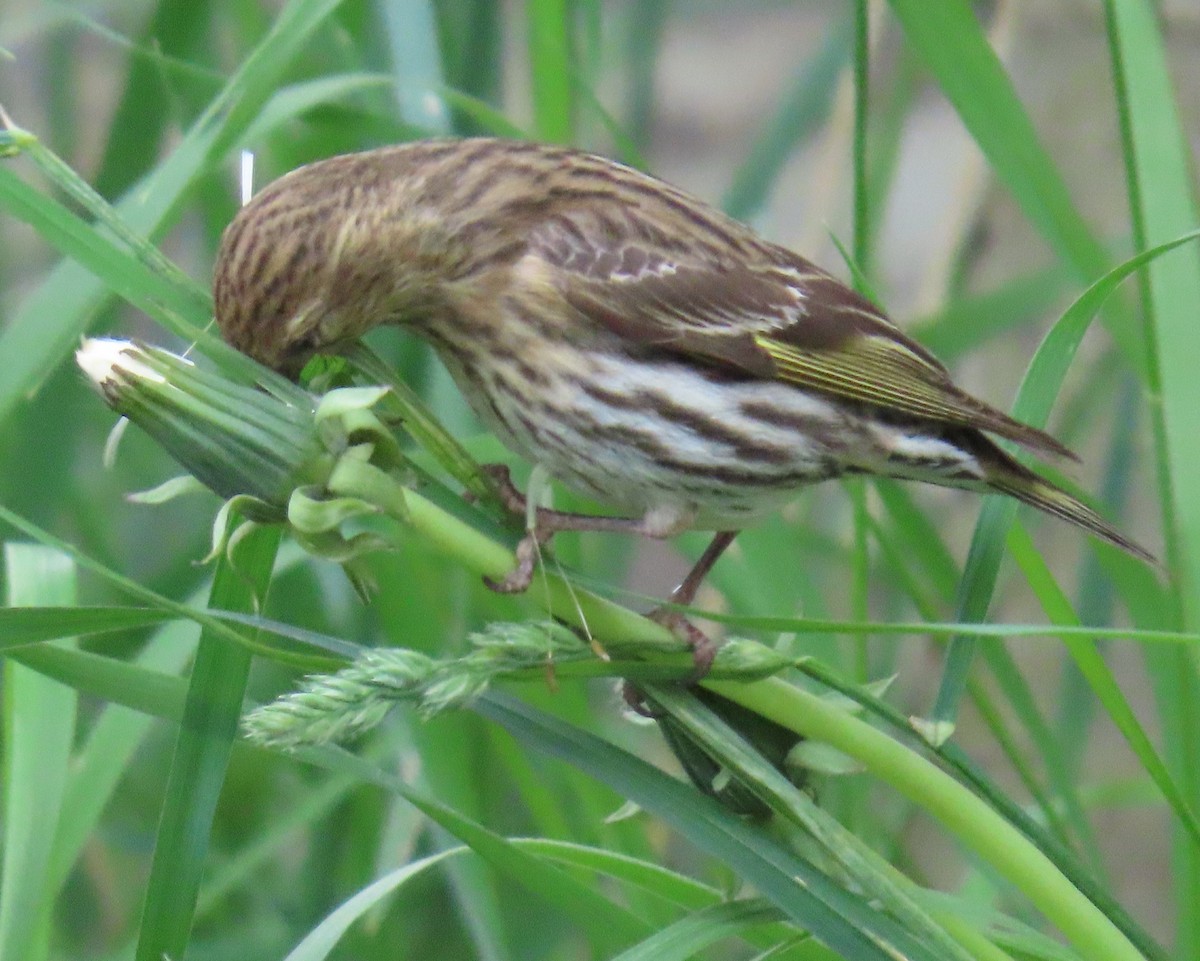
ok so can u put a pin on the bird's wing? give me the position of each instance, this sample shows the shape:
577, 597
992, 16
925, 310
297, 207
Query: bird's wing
774, 316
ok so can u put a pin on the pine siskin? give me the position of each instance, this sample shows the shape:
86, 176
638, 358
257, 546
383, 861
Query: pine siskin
643, 348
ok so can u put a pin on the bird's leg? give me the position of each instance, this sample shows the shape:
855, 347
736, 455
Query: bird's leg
511, 499
703, 647
686, 592
659, 524
545, 523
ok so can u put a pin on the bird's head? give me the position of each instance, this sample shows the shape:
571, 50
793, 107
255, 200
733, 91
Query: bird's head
326, 253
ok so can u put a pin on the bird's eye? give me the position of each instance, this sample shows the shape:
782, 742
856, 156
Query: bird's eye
310, 343
296, 354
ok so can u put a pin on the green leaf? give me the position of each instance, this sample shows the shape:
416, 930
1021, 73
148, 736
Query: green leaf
953, 46
839, 919
607, 923
52, 319
212, 710
1039, 389
31, 625
411, 32
550, 49
1098, 675
39, 728
694, 933
804, 106
321, 940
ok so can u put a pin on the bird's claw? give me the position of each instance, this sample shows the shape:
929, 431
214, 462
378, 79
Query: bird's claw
704, 651
520, 577
704, 648
635, 699
511, 499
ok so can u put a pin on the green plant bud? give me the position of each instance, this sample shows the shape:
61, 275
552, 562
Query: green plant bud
236, 439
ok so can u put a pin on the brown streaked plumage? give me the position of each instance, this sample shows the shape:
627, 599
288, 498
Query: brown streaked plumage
642, 347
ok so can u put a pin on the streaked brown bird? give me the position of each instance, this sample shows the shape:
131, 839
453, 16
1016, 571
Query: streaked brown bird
643, 348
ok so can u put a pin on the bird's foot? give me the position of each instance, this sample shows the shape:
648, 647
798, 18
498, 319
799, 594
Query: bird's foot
704, 648
635, 699
704, 651
541, 524
520, 577
511, 499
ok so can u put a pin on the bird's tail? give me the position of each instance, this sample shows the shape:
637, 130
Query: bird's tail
1008, 476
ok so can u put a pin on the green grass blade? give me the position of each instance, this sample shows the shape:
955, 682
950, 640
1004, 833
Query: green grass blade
969, 322
811, 625
412, 37
304, 814
1161, 172
684, 938
608, 924
213, 621
1098, 675
105, 755
138, 284
863, 869
1017, 814
111, 679
839, 919
953, 46
1064, 808
322, 940
644, 30
211, 713
39, 728
550, 39
1075, 703
1086, 925
52, 319
32, 625
298, 99
163, 69
1036, 397
473, 49
805, 105
487, 118
644, 877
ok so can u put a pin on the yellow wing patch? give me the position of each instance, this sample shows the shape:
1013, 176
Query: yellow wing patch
884, 373
870, 372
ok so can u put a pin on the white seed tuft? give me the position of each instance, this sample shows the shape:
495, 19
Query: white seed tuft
102, 357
